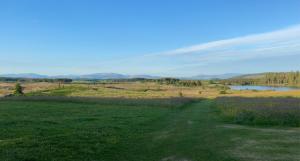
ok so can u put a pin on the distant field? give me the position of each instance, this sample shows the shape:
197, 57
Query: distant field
137, 90
129, 90
77, 129
8, 88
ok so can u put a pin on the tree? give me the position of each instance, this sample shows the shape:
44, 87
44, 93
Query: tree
180, 94
18, 89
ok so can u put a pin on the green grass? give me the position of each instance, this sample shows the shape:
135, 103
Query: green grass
63, 91
178, 129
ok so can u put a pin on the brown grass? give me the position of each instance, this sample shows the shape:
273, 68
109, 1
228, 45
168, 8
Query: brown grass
141, 90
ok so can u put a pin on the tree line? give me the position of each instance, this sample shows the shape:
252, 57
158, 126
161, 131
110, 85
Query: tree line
288, 78
167, 81
59, 80
271, 78
178, 82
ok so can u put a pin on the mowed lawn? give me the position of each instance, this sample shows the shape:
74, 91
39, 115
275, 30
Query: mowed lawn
73, 129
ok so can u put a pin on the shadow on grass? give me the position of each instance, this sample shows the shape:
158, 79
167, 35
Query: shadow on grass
166, 102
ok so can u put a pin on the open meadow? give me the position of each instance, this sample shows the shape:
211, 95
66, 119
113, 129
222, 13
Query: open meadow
136, 90
150, 80
137, 121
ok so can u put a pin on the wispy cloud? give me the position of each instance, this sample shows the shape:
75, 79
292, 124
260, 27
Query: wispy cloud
274, 44
284, 42
288, 37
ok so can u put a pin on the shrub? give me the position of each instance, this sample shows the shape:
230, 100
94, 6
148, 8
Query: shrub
180, 94
223, 92
18, 89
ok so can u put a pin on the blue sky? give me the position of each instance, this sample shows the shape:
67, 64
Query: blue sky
157, 37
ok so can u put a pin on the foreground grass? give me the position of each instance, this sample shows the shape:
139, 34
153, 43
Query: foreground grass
69, 129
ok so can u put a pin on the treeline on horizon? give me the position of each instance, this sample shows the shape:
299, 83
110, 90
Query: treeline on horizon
173, 81
271, 78
166, 81
57, 80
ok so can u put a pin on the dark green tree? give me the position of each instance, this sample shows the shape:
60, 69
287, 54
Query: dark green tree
18, 89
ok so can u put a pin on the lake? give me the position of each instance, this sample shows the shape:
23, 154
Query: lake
263, 88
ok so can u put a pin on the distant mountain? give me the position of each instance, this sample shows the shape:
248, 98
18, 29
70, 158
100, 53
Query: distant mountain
101, 76
95, 76
208, 77
144, 76
24, 75
65, 76
250, 76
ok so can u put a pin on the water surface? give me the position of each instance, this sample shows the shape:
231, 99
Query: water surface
263, 88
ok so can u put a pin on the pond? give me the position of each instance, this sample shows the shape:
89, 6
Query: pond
263, 88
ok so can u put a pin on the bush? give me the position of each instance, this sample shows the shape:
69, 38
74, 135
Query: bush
180, 94
223, 92
18, 90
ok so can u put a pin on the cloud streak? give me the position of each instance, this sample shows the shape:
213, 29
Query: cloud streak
274, 44
284, 42
288, 36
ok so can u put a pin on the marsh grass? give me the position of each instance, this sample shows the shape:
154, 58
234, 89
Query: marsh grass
260, 111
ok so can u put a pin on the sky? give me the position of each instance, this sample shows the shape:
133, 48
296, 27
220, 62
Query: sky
157, 37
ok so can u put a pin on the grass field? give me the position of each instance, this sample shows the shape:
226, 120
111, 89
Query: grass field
128, 90
8, 88
178, 129
136, 90
135, 121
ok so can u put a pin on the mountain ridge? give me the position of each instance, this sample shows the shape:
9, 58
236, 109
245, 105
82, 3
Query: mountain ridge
103, 76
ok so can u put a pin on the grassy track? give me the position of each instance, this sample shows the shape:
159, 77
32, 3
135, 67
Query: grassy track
38, 130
